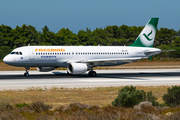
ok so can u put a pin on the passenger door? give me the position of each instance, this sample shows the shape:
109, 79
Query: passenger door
31, 54
134, 52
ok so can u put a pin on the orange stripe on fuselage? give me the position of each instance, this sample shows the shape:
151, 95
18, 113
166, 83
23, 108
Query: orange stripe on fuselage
49, 50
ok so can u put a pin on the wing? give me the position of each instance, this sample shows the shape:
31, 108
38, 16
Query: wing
112, 60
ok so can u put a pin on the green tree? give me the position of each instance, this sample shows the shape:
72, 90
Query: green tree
4, 50
111, 31
82, 37
165, 36
67, 37
125, 32
178, 33
172, 97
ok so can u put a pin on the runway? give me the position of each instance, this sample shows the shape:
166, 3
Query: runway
105, 78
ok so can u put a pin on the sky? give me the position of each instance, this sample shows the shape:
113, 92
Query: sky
79, 14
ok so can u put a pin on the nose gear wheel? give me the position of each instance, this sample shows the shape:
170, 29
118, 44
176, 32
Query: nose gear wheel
26, 73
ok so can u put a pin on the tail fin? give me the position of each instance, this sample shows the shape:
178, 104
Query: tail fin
147, 35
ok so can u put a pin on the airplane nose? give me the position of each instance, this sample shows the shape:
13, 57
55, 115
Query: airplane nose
6, 59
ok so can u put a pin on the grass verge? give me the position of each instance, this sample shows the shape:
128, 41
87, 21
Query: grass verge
101, 96
78, 103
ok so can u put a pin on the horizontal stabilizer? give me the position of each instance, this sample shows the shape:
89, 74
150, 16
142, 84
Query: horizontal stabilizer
149, 52
152, 52
167, 50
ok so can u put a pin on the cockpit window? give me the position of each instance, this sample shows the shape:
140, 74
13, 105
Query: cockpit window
13, 52
17, 53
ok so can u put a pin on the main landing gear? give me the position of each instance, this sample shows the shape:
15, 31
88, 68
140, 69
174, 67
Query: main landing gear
27, 73
69, 73
92, 74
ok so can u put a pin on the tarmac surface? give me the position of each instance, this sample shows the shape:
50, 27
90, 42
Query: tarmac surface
104, 78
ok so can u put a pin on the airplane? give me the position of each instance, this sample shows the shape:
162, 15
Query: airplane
80, 59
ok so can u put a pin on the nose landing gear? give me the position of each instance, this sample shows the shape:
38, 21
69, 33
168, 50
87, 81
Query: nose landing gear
26, 73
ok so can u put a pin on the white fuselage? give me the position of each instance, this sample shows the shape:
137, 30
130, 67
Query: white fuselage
59, 56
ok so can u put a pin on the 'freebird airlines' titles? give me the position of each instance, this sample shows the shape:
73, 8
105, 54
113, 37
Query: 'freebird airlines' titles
49, 50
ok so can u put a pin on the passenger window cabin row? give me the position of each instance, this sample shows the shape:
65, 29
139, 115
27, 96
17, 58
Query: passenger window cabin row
85, 53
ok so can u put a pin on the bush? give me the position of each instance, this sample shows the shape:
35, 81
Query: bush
5, 106
39, 107
174, 116
20, 105
172, 97
129, 96
152, 99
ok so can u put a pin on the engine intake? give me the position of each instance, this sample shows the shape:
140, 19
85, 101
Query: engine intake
77, 68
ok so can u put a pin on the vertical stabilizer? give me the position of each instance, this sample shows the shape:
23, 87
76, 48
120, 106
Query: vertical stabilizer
147, 35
